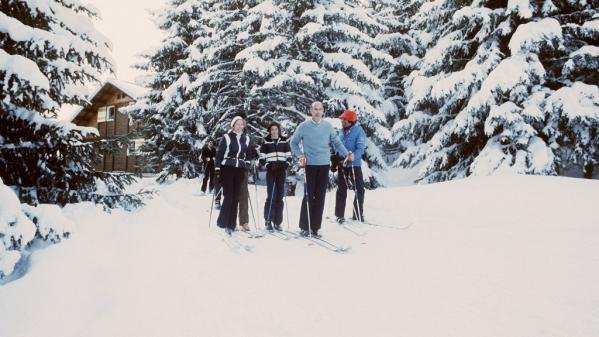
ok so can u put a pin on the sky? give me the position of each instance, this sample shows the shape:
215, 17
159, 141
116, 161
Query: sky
128, 25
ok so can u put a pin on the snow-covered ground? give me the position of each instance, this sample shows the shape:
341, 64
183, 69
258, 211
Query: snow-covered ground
495, 256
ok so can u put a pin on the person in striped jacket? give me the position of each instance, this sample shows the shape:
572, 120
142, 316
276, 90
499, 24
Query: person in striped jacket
231, 154
275, 154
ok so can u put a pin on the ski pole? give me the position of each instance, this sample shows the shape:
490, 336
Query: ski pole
256, 191
286, 204
272, 194
353, 189
212, 206
307, 202
329, 203
356, 198
252, 210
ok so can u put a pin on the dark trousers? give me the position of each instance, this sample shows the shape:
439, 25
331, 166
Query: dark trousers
232, 178
344, 178
275, 188
208, 175
244, 195
315, 190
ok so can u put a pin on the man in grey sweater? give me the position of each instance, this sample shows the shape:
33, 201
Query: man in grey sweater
316, 137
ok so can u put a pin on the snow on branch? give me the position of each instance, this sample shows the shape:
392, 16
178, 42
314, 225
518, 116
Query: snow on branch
532, 36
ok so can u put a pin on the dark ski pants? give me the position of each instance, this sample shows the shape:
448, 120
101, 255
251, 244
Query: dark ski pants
315, 190
244, 195
208, 176
345, 177
232, 178
275, 188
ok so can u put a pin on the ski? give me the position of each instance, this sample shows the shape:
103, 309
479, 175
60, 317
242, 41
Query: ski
353, 230
389, 226
350, 226
252, 234
278, 234
228, 240
290, 234
327, 245
241, 244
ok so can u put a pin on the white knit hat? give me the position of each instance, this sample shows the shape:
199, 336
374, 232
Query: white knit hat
235, 119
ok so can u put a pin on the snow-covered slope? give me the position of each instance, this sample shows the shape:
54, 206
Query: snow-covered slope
495, 256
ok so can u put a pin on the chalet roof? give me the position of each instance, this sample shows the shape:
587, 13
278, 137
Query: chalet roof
130, 89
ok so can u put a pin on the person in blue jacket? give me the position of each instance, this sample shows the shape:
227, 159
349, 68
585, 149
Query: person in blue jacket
231, 154
316, 136
350, 173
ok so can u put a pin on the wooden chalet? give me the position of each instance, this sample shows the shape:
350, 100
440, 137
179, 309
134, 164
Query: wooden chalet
104, 113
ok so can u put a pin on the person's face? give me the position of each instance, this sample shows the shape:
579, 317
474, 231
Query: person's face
345, 123
239, 125
317, 110
211, 143
274, 132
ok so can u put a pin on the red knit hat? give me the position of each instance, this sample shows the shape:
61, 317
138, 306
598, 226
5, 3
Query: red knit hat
349, 116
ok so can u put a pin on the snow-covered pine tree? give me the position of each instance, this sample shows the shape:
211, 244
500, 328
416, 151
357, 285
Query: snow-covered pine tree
407, 46
170, 139
318, 50
49, 50
197, 83
269, 59
220, 87
489, 94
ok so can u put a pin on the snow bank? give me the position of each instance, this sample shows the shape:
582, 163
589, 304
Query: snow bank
21, 224
489, 256
51, 223
16, 230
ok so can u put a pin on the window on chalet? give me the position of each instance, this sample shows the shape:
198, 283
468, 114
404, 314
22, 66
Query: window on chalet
110, 113
106, 113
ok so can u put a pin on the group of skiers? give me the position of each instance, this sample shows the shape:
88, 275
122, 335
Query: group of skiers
227, 166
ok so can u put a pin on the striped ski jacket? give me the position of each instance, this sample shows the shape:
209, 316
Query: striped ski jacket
275, 152
233, 150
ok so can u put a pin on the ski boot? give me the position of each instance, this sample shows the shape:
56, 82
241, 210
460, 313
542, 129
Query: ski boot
268, 226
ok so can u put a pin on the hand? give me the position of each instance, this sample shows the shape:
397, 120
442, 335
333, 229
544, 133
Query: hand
349, 158
302, 161
207, 159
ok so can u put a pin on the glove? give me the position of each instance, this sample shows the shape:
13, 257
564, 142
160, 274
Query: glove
336, 160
